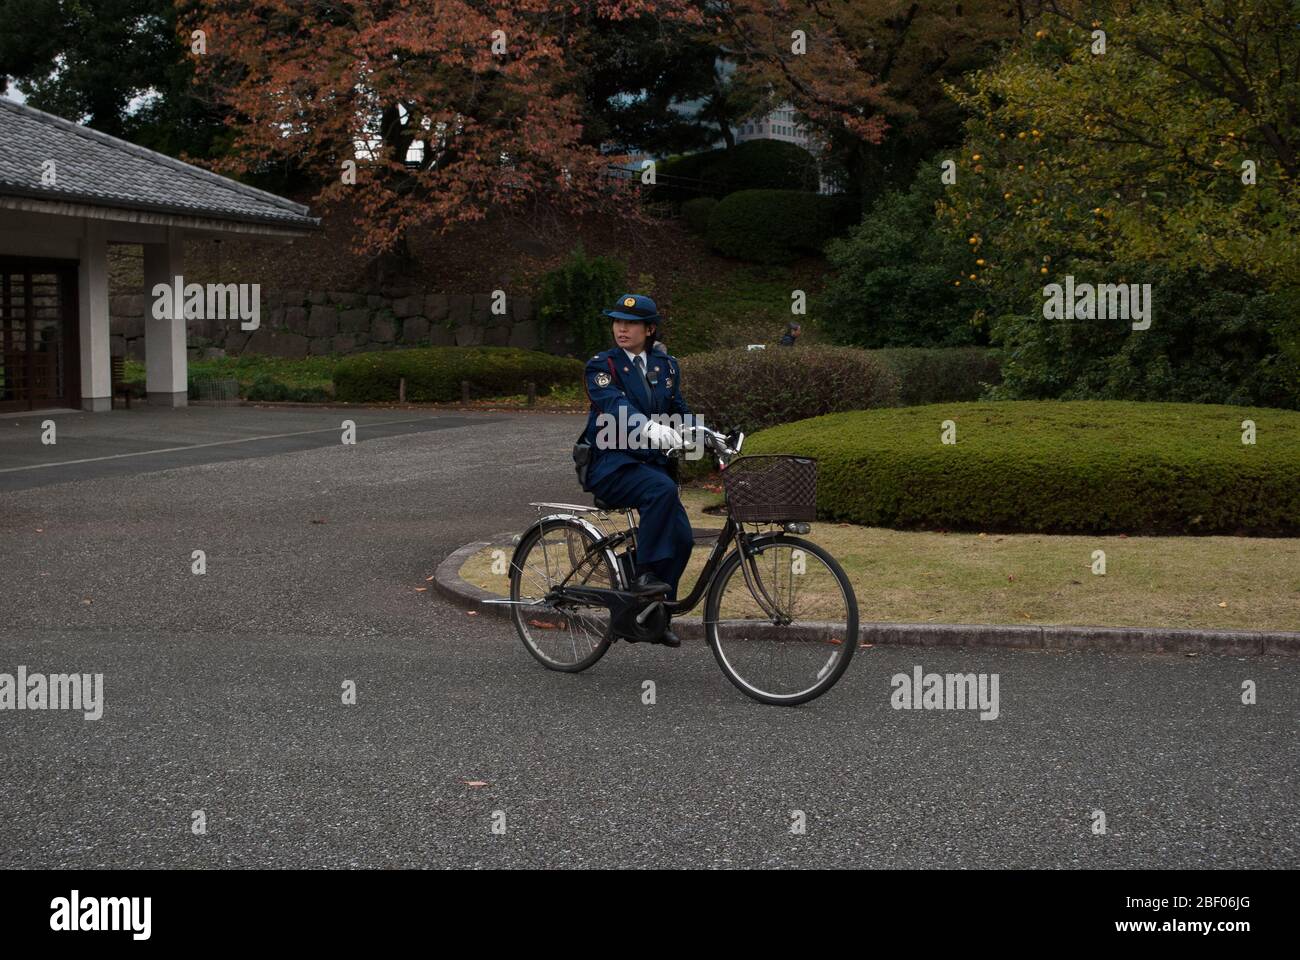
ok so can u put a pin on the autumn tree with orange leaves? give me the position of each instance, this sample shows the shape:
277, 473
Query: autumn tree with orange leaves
492, 90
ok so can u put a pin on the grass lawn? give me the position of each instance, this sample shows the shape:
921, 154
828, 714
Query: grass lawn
305, 372
1220, 583
317, 373
749, 305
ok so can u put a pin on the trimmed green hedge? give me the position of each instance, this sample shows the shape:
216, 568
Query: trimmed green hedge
752, 165
941, 374
1055, 467
776, 226
751, 390
434, 374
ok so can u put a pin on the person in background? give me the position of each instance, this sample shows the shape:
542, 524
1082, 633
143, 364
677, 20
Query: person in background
791, 334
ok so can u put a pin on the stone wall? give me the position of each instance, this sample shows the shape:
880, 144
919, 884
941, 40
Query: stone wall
296, 323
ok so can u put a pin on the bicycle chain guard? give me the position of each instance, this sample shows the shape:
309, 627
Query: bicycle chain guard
634, 617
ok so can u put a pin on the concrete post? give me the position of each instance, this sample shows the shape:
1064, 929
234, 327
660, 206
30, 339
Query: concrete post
92, 318
166, 365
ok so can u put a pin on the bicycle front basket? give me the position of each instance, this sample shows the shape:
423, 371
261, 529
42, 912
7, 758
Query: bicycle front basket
771, 489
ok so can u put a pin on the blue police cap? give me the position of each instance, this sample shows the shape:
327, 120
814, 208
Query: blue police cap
634, 307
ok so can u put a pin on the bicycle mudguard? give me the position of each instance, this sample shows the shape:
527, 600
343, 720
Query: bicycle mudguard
561, 519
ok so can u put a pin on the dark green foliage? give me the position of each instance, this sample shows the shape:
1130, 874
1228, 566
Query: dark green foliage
434, 374
575, 293
268, 388
776, 226
941, 374
751, 390
896, 279
697, 213
752, 165
1055, 467
92, 61
1214, 338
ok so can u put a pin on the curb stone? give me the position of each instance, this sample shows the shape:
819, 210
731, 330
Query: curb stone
448, 582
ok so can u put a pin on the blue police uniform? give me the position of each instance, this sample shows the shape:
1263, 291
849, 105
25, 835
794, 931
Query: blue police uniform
628, 477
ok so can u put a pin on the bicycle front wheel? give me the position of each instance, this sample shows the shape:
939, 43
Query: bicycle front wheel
786, 633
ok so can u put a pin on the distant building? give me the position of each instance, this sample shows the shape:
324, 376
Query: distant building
778, 125
781, 124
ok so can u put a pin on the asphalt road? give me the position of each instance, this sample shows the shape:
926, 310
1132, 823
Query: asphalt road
222, 692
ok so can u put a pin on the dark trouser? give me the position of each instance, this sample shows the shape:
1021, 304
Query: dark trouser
664, 539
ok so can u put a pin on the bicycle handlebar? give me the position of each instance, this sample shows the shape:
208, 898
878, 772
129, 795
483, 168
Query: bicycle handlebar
713, 440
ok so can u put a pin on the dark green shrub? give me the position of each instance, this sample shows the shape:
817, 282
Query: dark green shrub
1055, 467
1215, 337
267, 388
753, 165
767, 165
575, 293
697, 213
900, 281
941, 374
434, 374
751, 390
775, 226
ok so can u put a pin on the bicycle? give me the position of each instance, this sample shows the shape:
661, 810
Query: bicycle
783, 632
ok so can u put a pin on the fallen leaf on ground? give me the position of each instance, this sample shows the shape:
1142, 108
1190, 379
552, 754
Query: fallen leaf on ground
1224, 604
471, 613
476, 783
543, 625
428, 578
421, 589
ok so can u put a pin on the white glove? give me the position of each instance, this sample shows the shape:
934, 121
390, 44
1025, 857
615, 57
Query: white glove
662, 437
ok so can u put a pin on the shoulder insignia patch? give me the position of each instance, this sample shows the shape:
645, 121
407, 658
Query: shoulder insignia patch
602, 379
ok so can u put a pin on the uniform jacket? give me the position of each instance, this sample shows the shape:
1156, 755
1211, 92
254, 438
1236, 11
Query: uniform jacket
612, 383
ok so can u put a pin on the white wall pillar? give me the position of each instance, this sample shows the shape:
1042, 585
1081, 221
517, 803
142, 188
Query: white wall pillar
92, 318
166, 365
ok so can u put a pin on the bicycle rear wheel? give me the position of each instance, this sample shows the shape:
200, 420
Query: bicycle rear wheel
800, 649
561, 635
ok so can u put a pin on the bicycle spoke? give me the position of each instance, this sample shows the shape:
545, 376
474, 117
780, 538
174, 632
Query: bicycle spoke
565, 634
789, 659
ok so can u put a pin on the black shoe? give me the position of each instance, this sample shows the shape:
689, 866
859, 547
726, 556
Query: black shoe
670, 639
647, 584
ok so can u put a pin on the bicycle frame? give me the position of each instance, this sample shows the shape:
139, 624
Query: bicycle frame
731, 531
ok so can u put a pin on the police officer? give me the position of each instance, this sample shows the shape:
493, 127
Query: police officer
628, 383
